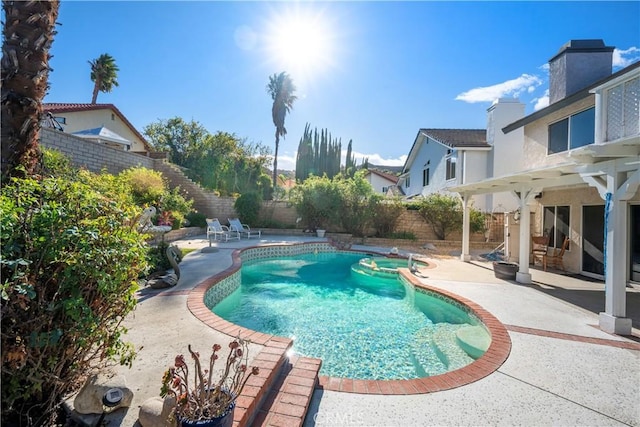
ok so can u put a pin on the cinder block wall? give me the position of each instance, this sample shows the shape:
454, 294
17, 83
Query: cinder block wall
409, 221
92, 155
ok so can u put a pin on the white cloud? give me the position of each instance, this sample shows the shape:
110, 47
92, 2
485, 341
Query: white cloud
376, 159
285, 162
624, 58
543, 101
288, 162
510, 88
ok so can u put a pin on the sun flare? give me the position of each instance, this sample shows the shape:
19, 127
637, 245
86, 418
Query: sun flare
300, 44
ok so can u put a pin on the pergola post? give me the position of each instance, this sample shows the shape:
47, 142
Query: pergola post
615, 189
465, 256
524, 196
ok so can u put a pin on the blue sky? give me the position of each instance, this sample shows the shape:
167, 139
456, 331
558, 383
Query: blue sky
373, 72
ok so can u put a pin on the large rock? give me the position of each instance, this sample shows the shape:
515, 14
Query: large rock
89, 399
155, 412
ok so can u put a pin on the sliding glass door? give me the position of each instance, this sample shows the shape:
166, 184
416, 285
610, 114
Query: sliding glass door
593, 241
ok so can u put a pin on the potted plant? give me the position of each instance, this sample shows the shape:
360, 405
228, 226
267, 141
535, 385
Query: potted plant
201, 400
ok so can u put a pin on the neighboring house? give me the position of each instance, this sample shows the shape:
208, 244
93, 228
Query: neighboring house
581, 173
380, 181
443, 157
102, 123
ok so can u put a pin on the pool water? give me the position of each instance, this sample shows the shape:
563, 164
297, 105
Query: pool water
361, 327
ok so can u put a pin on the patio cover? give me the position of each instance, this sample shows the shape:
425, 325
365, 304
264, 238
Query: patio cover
614, 170
103, 134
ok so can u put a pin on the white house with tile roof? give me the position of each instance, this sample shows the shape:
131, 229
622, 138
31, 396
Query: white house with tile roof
380, 181
443, 157
580, 175
92, 120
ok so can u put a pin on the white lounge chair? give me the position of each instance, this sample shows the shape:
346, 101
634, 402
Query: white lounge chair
236, 225
215, 229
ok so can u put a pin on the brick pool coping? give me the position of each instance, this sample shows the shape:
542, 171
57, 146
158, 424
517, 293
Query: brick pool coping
488, 363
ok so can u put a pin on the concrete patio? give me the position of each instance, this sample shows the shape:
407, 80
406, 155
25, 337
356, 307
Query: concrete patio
562, 370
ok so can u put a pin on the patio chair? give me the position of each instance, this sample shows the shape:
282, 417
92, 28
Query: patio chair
539, 249
215, 229
555, 259
236, 225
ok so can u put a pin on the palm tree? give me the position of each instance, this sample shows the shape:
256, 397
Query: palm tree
28, 32
281, 89
104, 73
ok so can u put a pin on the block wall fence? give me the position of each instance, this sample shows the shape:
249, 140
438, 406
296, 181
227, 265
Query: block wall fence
98, 157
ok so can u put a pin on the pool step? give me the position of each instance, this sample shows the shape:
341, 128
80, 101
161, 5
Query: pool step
474, 340
287, 403
271, 360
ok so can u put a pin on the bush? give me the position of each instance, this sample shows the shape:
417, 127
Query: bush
442, 212
317, 201
386, 215
358, 203
174, 206
477, 223
404, 235
248, 207
70, 259
54, 163
147, 185
196, 219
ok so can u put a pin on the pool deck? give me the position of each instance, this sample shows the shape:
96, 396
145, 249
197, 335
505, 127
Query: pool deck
561, 369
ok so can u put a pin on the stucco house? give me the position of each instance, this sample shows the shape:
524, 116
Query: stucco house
380, 181
102, 123
442, 158
580, 174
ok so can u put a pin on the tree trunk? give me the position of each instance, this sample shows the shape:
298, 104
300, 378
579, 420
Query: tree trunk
94, 97
28, 33
275, 161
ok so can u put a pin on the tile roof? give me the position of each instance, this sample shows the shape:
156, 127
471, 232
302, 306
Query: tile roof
458, 138
74, 107
386, 176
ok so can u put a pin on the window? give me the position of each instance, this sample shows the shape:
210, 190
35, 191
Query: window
451, 164
385, 189
575, 131
425, 177
556, 222
113, 116
407, 182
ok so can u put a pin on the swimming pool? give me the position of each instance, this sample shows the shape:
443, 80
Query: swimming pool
361, 327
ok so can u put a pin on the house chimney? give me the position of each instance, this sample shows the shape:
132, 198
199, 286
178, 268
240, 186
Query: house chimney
578, 64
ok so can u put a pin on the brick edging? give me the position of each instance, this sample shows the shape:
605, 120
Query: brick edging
488, 363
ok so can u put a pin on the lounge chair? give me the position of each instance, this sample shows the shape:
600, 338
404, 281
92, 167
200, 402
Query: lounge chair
215, 229
555, 259
236, 225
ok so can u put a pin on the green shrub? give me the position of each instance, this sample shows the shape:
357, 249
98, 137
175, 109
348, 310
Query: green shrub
317, 201
477, 222
196, 219
70, 259
174, 203
443, 212
54, 163
386, 215
404, 235
147, 185
248, 207
358, 203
